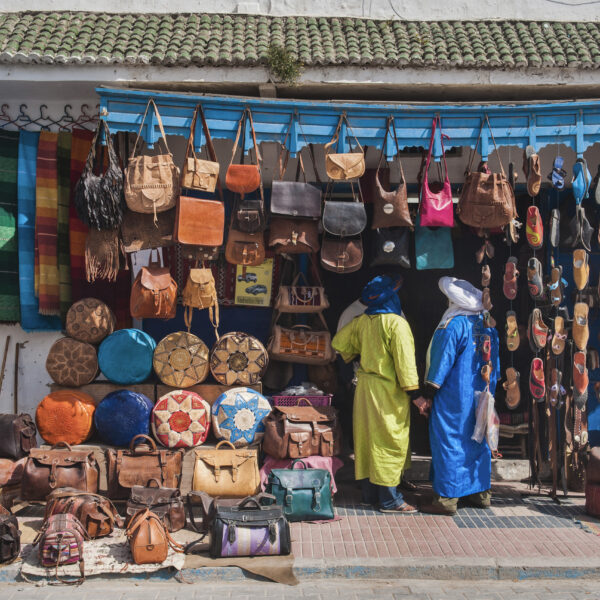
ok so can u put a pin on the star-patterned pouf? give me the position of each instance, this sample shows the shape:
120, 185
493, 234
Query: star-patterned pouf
238, 416
238, 359
181, 360
181, 419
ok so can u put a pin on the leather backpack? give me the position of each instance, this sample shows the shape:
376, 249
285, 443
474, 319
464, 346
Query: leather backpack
341, 255
149, 541
164, 502
200, 292
244, 179
349, 165
17, 435
10, 536
153, 293
246, 249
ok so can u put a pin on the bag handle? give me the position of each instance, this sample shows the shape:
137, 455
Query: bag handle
62, 445
309, 403
155, 263
474, 150
206, 503
224, 442
250, 500
299, 460
246, 115
210, 149
390, 124
335, 139
160, 126
153, 479
140, 437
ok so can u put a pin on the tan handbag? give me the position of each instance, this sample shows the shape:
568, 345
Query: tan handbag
246, 249
149, 541
227, 473
200, 292
296, 298
153, 293
350, 165
151, 182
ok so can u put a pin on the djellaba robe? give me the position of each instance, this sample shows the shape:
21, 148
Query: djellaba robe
460, 466
381, 405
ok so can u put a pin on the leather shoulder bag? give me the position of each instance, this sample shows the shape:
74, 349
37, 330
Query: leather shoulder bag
149, 541
138, 464
10, 536
436, 209
151, 182
350, 165
341, 255
200, 292
144, 232
244, 179
57, 467
487, 199
17, 435
164, 502
296, 298
294, 236
247, 249
390, 247
153, 293
344, 218
433, 248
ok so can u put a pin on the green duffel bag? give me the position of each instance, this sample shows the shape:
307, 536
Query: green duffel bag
304, 494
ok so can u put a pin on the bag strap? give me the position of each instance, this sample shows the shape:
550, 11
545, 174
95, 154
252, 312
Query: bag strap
160, 126
209, 146
436, 121
335, 139
283, 164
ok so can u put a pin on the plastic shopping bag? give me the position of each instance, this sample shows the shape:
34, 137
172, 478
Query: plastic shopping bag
492, 432
481, 416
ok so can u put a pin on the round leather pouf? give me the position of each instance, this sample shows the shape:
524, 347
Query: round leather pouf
65, 416
90, 320
125, 356
181, 360
121, 415
238, 416
72, 363
181, 419
238, 359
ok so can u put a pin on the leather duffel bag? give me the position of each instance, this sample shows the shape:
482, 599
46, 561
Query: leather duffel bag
72, 363
164, 502
138, 464
153, 293
10, 536
17, 435
294, 236
299, 431
58, 467
90, 320
149, 541
297, 298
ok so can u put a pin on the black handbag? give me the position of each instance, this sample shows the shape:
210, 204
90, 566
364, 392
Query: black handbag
345, 218
390, 247
249, 215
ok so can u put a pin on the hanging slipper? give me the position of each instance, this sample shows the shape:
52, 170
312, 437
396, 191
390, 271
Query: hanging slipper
488, 320
534, 278
585, 229
581, 269
555, 388
580, 380
513, 339
511, 385
486, 300
486, 372
511, 232
490, 251
537, 331
556, 286
581, 181
480, 254
555, 228
486, 276
486, 348
534, 229
533, 172
559, 337
581, 331
558, 174
509, 287
512, 175
537, 384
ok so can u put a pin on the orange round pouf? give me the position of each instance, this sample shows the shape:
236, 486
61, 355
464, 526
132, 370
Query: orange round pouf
65, 416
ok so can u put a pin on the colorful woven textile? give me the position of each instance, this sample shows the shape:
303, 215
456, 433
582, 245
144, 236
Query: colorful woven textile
46, 224
31, 320
64, 199
9, 248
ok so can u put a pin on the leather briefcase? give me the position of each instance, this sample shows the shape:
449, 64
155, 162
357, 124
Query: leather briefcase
298, 431
153, 293
296, 298
17, 435
341, 255
164, 502
10, 536
139, 464
294, 236
244, 179
200, 222
144, 232
149, 541
58, 467
390, 248
226, 472
246, 249
350, 165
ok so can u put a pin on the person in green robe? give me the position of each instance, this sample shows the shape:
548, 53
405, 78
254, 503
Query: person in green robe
387, 374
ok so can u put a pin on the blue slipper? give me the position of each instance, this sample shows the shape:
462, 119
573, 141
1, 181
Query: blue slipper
582, 179
557, 177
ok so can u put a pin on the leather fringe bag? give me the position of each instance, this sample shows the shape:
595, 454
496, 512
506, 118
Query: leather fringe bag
244, 179
349, 165
151, 182
487, 199
200, 292
153, 293
98, 199
149, 541
103, 254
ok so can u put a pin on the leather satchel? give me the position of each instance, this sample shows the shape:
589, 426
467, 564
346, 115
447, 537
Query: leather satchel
200, 292
226, 472
301, 344
246, 249
294, 236
345, 218
249, 215
151, 182
17, 435
200, 222
297, 298
139, 464
164, 502
304, 494
153, 293
299, 431
96, 513
10, 536
342, 167
487, 199
244, 179
343, 255
149, 541
143, 232
58, 467
390, 248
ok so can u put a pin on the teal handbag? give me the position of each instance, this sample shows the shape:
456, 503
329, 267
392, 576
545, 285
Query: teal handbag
304, 494
433, 247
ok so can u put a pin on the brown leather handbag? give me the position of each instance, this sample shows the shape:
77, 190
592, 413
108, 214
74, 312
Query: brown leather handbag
200, 252
200, 222
487, 199
165, 502
151, 182
139, 464
143, 232
96, 513
341, 255
294, 236
297, 298
149, 541
299, 431
200, 292
245, 248
17, 435
153, 293
244, 179
349, 165
58, 467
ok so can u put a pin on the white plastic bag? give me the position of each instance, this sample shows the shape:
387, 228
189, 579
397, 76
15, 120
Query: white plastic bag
485, 412
492, 432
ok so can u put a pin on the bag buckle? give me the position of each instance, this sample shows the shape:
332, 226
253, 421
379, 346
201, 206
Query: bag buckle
316, 499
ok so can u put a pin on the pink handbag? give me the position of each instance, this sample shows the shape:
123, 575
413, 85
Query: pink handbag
436, 209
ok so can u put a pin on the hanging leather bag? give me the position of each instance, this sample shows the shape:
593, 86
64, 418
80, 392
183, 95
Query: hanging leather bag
151, 182
149, 541
300, 431
297, 298
143, 232
153, 293
436, 209
487, 199
164, 502
10, 537
391, 247
17, 435
58, 467
341, 255
139, 464
349, 165
247, 249
244, 179
98, 199
433, 248
294, 236
342, 217
200, 292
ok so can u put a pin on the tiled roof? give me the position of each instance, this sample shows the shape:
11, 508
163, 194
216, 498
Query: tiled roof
237, 40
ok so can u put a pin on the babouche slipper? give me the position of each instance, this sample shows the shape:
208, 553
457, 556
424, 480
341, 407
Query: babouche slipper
513, 340
558, 174
486, 276
580, 380
555, 388
537, 384
556, 286
511, 273
555, 228
534, 278
534, 229
511, 385
581, 331
559, 337
533, 172
581, 268
582, 180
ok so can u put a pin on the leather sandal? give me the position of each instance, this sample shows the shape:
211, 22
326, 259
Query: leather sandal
582, 180
555, 388
555, 228
534, 229
486, 276
581, 331
580, 381
486, 348
593, 359
581, 268
534, 278
486, 300
511, 273
537, 383
533, 172
511, 385
538, 330
513, 340
556, 286
511, 231
559, 337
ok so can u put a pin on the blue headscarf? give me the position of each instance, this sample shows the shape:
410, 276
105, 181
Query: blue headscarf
381, 296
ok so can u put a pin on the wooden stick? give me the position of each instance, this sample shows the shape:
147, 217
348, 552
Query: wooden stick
6, 345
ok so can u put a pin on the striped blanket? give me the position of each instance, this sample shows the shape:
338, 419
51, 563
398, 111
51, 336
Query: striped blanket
64, 199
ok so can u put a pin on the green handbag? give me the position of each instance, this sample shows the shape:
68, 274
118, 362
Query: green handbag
304, 494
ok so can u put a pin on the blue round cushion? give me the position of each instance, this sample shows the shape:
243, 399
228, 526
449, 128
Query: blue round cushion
121, 415
125, 356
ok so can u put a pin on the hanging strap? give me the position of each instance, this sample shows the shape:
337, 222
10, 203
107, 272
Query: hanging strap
434, 125
210, 149
283, 164
160, 126
336, 135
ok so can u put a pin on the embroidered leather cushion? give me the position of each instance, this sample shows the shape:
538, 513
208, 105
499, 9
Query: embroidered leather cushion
121, 415
72, 363
238, 359
65, 416
125, 356
90, 320
181, 360
238, 416
181, 419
